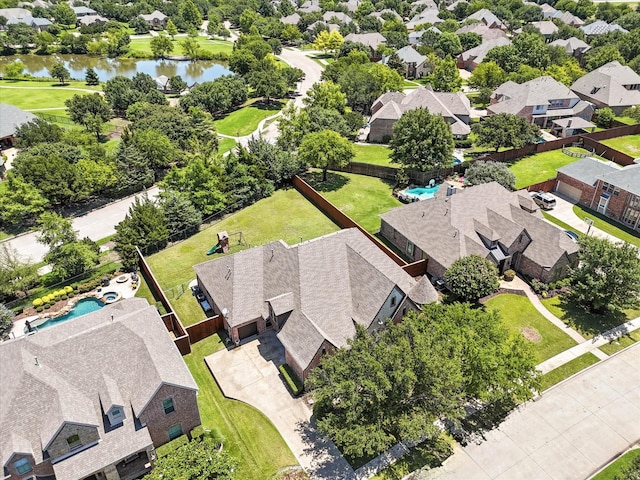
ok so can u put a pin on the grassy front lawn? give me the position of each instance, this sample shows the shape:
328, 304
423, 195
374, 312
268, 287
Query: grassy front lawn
621, 343
520, 316
607, 225
374, 154
226, 144
246, 119
142, 46
629, 144
616, 467
249, 436
572, 367
362, 198
285, 215
539, 167
588, 324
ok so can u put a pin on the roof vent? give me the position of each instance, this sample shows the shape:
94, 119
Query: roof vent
36, 359
112, 317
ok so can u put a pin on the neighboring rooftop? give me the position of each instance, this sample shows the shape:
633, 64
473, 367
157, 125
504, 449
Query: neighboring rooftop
600, 27
606, 85
11, 118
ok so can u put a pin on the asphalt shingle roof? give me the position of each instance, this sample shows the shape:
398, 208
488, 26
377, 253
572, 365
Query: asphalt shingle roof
587, 170
11, 118
606, 85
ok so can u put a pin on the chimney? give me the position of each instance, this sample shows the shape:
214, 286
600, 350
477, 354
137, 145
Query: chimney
568, 123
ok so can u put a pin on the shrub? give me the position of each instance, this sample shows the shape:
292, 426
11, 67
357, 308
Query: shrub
47, 306
68, 289
509, 275
197, 432
463, 143
63, 297
294, 383
39, 309
472, 277
172, 446
538, 286
37, 302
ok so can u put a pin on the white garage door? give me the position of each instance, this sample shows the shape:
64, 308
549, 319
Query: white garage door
569, 191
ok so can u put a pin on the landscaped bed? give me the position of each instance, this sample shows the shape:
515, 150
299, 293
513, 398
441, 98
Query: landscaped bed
360, 197
285, 215
520, 316
629, 144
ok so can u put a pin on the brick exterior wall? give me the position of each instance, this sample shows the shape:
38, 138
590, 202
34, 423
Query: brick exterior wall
60, 447
381, 130
186, 413
616, 205
587, 190
45, 468
317, 357
531, 269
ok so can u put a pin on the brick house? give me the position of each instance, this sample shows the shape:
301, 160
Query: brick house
91, 398
12, 119
387, 109
156, 20
488, 220
611, 191
312, 293
473, 57
541, 101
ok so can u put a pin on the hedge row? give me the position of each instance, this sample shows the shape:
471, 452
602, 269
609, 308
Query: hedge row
172, 446
294, 383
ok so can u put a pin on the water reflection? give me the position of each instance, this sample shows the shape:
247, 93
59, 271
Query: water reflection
106, 68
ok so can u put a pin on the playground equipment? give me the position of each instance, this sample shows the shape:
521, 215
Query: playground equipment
223, 242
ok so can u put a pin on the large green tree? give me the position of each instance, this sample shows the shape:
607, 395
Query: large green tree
90, 111
487, 75
325, 149
6, 321
505, 130
397, 383
607, 276
59, 72
16, 274
161, 45
21, 203
63, 14
38, 131
446, 77
485, 172
472, 277
326, 95
422, 141
183, 219
197, 460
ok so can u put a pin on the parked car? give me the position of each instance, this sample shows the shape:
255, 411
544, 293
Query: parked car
543, 200
572, 235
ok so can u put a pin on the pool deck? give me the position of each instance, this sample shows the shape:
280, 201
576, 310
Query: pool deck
123, 289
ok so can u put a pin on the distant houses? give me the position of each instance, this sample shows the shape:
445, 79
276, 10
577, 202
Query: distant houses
22, 15
156, 20
415, 64
473, 57
11, 119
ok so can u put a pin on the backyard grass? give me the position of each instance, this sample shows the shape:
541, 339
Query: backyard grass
142, 46
626, 121
248, 435
607, 225
621, 343
374, 154
246, 119
572, 367
588, 324
285, 215
629, 144
360, 197
520, 316
616, 467
539, 167
226, 144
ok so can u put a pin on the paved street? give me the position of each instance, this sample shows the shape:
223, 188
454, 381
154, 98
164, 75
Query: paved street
567, 434
97, 224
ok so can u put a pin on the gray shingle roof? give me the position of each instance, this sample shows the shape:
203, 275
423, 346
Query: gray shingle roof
448, 228
478, 53
292, 19
409, 55
513, 97
155, 15
11, 118
545, 27
487, 17
341, 16
372, 40
587, 170
571, 45
481, 29
627, 178
74, 360
600, 27
606, 85
329, 283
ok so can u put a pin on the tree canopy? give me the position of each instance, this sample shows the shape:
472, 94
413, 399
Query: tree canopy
472, 277
325, 149
505, 130
485, 172
421, 140
396, 383
6, 321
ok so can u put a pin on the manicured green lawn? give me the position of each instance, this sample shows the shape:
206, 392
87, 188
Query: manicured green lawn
246, 119
248, 435
142, 46
616, 467
520, 316
607, 225
375, 154
565, 371
626, 120
588, 324
226, 144
629, 144
539, 167
23, 84
285, 215
622, 342
360, 197
39, 95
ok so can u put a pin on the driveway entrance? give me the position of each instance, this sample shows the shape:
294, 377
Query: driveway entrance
249, 373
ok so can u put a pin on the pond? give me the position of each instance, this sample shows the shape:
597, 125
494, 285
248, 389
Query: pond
107, 68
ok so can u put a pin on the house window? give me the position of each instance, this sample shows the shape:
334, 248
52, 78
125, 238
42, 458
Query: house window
168, 406
174, 432
116, 412
22, 466
410, 248
74, 442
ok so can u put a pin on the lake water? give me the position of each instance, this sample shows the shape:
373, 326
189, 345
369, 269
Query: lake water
107, 68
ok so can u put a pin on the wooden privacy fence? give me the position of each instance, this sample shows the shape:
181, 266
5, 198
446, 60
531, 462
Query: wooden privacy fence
390, 173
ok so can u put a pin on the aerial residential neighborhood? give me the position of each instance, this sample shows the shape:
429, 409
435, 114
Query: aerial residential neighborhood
321, 240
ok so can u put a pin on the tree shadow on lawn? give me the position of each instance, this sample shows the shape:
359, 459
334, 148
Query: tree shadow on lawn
334, 182
274, 105
588, 323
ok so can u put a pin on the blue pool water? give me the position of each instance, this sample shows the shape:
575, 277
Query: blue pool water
423, 193
84, 306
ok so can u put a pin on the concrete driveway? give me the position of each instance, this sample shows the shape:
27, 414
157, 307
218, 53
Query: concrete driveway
569, 433
250, 374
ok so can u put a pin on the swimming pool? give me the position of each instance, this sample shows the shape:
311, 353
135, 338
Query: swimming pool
84, 306
421, 193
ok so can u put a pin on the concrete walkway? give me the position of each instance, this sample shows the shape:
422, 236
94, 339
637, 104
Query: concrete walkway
569, 433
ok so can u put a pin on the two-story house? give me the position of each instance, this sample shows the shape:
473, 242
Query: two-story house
91, 398
612, 85
156, 20
487, 220
415, 64
540, 101
312, 294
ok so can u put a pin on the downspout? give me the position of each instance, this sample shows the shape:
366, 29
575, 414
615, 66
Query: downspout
594, 194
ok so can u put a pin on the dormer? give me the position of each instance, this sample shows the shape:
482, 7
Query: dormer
488, 236
111, 401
